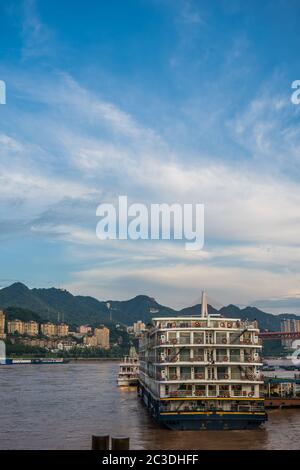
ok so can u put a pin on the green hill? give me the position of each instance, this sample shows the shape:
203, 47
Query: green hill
52, 303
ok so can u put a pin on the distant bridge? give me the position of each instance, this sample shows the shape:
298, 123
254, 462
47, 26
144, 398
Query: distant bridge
279, 335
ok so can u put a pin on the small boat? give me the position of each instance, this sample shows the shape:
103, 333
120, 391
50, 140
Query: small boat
50, 360
128, 371
267, 368
288, 368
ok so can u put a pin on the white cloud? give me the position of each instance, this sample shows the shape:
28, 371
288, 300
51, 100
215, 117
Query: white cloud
95, 149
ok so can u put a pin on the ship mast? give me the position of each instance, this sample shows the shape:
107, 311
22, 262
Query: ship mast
204, 309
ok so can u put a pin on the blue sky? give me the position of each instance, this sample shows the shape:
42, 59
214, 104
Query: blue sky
164, 101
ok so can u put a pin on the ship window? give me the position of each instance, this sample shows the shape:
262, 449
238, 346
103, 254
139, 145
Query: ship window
198, 338
199, 354
235, 355
221, 354
185, 373
212, 390
200, 390
185, 355
222, 373
185, 338
235, 373
172, 335
221, 338
185, 387
184, 325
223, 390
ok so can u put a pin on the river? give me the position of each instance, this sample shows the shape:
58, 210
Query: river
61, 406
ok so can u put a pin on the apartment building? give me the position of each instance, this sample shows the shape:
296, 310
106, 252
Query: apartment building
2, 325
15, 327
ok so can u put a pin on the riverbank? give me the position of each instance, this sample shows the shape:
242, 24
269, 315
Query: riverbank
72, 359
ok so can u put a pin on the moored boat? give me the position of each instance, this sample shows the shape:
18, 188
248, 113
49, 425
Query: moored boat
202, 372
128, 371
50, 360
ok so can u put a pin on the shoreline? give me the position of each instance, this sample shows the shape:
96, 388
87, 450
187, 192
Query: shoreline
74, 359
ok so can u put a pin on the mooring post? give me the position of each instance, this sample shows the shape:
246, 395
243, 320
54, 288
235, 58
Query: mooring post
120, 443
100, 442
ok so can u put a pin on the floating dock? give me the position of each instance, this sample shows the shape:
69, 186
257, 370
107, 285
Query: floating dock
282, 392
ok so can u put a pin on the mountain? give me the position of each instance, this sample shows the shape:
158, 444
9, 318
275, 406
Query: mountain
18, 295
52, 303
266, 321
140, 307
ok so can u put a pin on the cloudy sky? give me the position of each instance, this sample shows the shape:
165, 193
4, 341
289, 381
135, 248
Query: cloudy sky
165, 101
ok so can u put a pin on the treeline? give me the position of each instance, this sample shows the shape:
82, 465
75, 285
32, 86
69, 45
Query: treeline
23, 314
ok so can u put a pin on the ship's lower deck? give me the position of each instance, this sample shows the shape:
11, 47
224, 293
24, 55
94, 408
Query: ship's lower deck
204, 414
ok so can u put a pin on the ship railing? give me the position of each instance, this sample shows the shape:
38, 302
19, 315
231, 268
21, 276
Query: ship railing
224, 394
235, 376
198, 359
199, 376
253, 377
180, 393
235, 358
252, 359
222, 358
222, 376
184, 341
210, 408
167, 359
185, 376
242, 394
212, 394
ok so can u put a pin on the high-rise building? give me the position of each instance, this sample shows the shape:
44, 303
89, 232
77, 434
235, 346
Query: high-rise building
48, 329
102, 335
62, 330
84, 329
31, 328
15, 327
2, 325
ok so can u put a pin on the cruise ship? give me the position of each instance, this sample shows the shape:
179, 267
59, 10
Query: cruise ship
202, 372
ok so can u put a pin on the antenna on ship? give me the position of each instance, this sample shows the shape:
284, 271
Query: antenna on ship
204, 309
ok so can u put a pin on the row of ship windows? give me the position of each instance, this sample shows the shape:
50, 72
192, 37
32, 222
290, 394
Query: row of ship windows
212, 338
222, 391
215, 405
220, 355
202, 373
209, 323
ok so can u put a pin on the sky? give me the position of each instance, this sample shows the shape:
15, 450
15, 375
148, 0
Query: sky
165, 101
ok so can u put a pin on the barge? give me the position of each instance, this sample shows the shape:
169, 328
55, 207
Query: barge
282, 392
54, 360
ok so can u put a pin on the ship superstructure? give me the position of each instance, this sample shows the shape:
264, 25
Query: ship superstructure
129, 370
202, 372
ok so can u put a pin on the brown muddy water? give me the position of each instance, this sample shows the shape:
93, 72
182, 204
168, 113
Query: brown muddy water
61, 406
